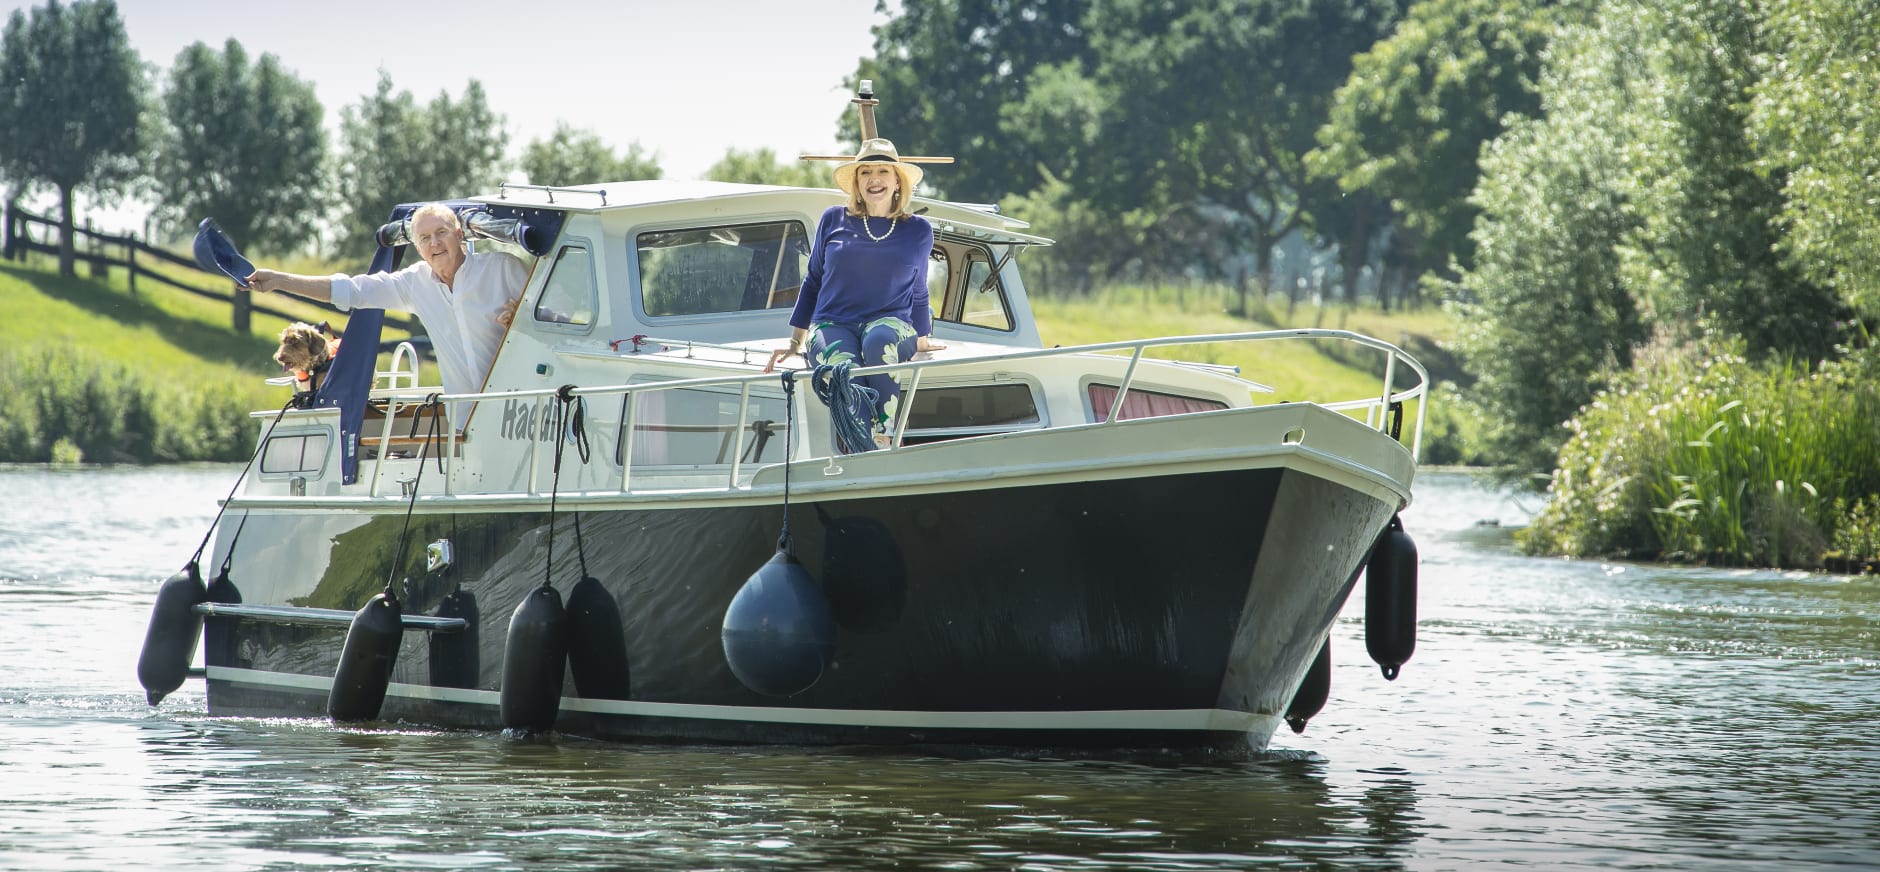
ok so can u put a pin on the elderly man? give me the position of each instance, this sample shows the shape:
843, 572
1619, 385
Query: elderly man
466, 301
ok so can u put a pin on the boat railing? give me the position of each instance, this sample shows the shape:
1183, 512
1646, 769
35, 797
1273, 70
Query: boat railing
404, 371
1382, 410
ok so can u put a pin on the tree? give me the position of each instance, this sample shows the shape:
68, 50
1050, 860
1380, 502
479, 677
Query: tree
578, 157
243, 143
947, 71
1707, 242
1214, 106
1547, 319
71, 93
1410, 122
396, 151
1814, 119
762, 167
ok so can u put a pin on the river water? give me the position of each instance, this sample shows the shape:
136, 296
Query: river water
1557, 715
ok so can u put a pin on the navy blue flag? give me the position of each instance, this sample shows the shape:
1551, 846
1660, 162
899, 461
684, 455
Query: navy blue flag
349, 383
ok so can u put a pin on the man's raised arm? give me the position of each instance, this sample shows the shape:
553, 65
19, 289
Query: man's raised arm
312, 287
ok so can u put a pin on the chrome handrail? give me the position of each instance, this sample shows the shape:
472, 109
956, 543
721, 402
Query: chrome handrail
1376, 407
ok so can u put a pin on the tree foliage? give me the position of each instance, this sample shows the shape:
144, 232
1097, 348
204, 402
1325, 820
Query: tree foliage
1634, 204
1410, 122
1547, 319
394, 150
763, 167
1816, 122
71, 94
244, 143
946, 69
1707, 239
577, 157
1213, 107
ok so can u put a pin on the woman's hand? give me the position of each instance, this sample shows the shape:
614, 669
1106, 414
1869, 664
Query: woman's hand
928, 343
778, 356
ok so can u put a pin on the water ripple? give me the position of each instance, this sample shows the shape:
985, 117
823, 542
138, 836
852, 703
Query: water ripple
1557, 714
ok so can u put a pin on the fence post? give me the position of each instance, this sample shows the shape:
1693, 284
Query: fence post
12, 219
130, 261
241, 308
98, 268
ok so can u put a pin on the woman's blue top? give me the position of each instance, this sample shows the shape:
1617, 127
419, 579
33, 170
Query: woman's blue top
853, 279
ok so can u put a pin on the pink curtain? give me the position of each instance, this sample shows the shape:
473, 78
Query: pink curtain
1145, 404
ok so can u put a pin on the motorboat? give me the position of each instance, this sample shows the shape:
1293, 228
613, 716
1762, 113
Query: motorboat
634, 532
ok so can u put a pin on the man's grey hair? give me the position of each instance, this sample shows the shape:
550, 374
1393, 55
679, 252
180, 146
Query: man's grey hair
440, 210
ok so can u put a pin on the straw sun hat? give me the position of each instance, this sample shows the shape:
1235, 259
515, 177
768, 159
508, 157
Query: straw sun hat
879, 151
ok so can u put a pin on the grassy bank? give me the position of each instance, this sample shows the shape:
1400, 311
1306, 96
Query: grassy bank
89, 371
1705, 457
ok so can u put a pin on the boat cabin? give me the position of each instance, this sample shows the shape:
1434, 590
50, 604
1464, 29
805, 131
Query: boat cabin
661, 301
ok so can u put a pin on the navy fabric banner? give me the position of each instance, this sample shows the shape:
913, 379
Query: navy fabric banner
349, 383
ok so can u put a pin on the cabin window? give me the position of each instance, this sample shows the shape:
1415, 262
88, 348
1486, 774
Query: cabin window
965, 410
1145, 404
731, 268
293, 453
937, 274
984, 302
568, 297
699, 427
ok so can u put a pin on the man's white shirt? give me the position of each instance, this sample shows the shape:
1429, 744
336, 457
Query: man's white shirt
461, 320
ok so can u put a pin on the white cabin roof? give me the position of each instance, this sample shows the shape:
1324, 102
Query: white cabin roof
980, 222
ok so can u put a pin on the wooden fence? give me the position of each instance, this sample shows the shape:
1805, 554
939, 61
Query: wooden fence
28, 232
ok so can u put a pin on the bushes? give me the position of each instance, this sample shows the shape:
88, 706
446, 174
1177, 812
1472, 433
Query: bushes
1700, 456
59, 404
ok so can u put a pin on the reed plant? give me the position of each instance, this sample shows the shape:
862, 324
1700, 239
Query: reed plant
1701, 456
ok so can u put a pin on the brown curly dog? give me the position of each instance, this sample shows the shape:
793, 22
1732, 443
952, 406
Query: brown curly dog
305, 351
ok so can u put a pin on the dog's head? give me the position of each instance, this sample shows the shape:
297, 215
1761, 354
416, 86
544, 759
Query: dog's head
303, 348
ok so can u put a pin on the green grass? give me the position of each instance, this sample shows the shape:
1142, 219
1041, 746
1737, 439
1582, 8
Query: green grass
160, 328
1333, 367
90, 371
1327, 369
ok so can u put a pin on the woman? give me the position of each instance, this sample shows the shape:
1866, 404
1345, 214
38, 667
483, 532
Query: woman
864, 297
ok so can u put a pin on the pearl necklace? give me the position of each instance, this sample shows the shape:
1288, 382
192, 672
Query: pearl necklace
871, 234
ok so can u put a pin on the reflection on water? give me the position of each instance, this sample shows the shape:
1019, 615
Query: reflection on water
1556, 715
280, 794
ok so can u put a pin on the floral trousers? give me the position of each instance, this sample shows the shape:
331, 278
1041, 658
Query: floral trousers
881, 341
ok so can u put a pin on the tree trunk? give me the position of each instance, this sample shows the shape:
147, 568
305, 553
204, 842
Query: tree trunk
1263, 258
66, 268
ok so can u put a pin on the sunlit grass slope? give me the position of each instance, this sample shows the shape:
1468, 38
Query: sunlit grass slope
1296, 370
123, 376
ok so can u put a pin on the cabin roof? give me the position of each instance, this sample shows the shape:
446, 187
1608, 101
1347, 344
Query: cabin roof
968, 219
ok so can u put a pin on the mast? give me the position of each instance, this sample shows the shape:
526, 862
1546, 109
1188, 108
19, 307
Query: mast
865, 104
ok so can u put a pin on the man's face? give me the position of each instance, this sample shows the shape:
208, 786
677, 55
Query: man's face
439, 242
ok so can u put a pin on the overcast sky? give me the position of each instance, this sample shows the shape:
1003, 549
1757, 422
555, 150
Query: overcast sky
686, 79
